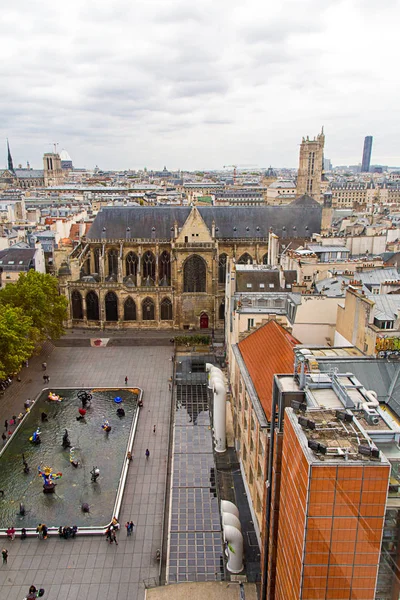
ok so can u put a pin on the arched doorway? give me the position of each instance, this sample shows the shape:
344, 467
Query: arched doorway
111, 302
77, 309
204, 321
92, 306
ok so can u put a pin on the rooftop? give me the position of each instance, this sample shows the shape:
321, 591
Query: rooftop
334, 436
265, 352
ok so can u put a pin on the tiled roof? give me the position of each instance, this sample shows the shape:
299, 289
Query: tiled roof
152, 222
267, 352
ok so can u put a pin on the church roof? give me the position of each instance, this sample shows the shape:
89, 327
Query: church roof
305, 200
231, 222
29, 173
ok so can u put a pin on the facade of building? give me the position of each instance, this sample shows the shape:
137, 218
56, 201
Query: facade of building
366, 157
166, 266
256, 359
52, 169
331, 508
16, 260
311, 162
370, 322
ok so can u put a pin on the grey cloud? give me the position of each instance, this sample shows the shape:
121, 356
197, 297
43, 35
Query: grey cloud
100, 76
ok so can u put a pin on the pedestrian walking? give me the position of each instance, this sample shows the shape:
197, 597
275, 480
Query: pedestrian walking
132, 526
4, 554
6, 424
114, 536
147, 453
3, 437
128, 528
126, 380
154, 429
44, 366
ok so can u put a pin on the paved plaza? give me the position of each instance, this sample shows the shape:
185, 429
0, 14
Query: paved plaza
89, 568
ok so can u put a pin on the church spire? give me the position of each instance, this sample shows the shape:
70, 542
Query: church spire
10, 160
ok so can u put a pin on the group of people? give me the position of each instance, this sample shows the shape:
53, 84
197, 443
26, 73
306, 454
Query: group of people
42, 530
67, 532
11, 424
129, 526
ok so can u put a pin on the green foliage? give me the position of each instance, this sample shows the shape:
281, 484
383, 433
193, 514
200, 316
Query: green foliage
192, 340
17, 341
37, 295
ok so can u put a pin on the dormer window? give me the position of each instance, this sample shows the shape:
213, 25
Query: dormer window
383, 324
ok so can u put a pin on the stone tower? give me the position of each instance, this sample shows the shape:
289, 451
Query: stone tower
311, 161
53, 173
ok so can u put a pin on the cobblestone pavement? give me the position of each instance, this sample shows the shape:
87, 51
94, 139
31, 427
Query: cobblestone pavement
89, 568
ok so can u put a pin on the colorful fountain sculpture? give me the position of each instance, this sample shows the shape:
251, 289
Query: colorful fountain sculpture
48, 479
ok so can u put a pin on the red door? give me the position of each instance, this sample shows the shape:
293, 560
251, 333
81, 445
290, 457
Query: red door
203, 321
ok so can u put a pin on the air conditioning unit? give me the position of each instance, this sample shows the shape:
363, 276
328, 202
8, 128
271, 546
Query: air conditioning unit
371, 415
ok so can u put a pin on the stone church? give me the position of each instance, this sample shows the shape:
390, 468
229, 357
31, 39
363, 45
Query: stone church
166, 266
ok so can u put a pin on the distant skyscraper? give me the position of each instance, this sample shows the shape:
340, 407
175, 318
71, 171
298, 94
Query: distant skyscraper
311, 162
366, 159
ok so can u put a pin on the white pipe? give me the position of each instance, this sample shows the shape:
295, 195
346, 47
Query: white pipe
232, 520
229, 507
214, 372
219, 415
373, 401
234, 539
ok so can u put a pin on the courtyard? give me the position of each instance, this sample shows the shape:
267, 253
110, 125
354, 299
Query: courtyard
90, 568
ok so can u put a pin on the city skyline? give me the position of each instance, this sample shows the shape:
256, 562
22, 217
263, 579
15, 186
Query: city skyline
198, 87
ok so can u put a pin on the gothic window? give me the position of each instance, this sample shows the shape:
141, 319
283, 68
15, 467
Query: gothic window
111, 302
129, 310
245, 259
265, 259
131, 265
113, 262
164, 268
92, 306
77, 309
149, 268
166, 310
222, 268
96, 256
221, 311
86, 266
194, 274
148, 309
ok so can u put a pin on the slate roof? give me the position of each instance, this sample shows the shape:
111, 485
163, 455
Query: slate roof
377, 276
29, 173
386, 306
261, 280
380, 375
318, 248
231, 222
267, 352
22, 257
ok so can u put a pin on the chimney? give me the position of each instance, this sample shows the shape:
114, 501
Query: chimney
282, 280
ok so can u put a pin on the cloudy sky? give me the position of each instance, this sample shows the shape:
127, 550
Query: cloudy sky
193, 85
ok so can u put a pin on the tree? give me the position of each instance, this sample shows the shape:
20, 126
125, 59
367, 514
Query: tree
37, 295
17, 341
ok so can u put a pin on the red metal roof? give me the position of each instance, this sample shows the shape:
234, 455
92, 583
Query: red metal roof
266, 352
